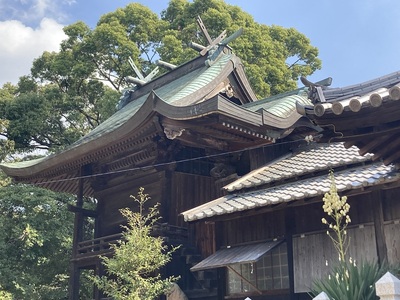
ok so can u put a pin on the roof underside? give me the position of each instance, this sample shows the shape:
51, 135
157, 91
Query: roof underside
365, 115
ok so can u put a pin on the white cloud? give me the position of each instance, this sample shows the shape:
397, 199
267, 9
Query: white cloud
21, 44
32, 11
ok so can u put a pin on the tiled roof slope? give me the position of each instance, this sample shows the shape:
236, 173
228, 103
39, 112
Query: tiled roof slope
366, 115
325, 158
315, 159
355, 97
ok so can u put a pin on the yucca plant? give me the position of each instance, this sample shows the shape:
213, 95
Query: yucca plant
347, 280
350, 281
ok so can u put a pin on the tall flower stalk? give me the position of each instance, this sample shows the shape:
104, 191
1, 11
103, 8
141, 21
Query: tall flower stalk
337, 209
346, 281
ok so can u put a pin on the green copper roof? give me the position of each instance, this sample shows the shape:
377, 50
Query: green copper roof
282, 105
202, 80
170, 93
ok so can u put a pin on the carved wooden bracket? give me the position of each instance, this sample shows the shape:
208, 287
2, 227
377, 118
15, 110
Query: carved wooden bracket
173, 133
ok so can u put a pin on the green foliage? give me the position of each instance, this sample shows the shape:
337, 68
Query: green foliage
5, 295
54, 115
349, 281
35, 242
70, 92
133, 271
274, 57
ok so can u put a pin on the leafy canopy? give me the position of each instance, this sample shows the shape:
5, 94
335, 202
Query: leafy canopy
35, 239
70, 92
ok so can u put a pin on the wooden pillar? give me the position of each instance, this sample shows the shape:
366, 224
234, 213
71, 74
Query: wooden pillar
166, 195
74, 279
289, 229
99, 271
377, 210
221, 272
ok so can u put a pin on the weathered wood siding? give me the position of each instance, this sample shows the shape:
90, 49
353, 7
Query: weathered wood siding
260, 156
255, 228
308, 217
312, 252
391, 204
311, 245
188, 191
392, 238
391, 216
118, 196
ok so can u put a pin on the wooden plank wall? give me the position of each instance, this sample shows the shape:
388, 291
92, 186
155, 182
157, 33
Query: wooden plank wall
308, 217
255, 228
392, 238
189, 191
312, 251
391, 215
117, 196
260, 156
391, 204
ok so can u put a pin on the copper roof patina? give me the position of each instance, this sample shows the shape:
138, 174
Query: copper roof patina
188, 92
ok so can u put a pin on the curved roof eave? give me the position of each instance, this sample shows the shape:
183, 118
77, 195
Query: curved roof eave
31, 168
125, 121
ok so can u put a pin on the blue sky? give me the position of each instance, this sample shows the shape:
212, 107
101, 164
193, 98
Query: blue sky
358, 40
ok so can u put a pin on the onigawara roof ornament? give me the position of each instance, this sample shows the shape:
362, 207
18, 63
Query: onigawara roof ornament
315, 93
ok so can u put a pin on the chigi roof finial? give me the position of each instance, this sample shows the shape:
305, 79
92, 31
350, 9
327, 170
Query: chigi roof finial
140, 79
213, 48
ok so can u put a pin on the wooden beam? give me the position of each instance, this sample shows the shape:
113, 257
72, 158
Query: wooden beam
371, 146
204, 29
84, 211
387, 147
392, 158
381, 248
74, 274
290, 224
74, 280
348, 135
349, 144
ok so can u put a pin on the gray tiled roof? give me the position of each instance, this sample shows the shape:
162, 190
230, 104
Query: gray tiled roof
308, 161
361, 172
356, 97
355, 178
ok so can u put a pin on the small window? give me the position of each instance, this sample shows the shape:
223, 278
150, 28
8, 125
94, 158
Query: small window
270, 272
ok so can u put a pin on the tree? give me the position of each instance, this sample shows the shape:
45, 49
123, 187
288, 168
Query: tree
133, 271
274, 57
53, 116
70, 92
35, 239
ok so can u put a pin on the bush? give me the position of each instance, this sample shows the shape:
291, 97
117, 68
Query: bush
133, 271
